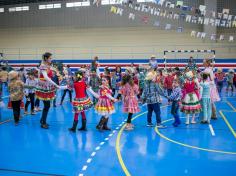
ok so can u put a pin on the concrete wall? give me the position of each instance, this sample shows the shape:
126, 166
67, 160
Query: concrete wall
80, 33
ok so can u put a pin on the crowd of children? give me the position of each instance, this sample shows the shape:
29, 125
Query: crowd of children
191, 91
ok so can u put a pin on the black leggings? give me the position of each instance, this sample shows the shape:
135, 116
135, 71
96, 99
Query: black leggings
46, 108
16, 109
64, 94
129, 117
30, 100
37, 102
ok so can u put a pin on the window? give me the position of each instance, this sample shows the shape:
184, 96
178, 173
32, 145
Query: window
110, 2
12, 9
50, 6
1, 10
140, 1
78, 4
18, 9
57, 6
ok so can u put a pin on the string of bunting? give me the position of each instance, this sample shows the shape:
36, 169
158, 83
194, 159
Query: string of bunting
204, 35
198, 16
168, 26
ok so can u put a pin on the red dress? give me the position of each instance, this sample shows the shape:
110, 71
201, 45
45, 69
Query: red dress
104, 105
190, 101
81, 101
45, 90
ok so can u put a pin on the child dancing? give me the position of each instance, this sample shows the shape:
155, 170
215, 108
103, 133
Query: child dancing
104, 105
81, 101
190, 101
129, 90
175, 97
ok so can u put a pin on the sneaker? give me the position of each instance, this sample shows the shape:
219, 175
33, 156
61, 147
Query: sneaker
187, 123
193, 122
26, 113
17, 123
33, 113
160, 126
150, 125
44, 126
128, 127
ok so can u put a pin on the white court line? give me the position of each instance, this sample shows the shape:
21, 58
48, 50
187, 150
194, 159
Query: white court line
93, 154
5, 97
102, 143
97, 148
110, 134
84, 167
89, 160
106, 139
212, 130
81, 174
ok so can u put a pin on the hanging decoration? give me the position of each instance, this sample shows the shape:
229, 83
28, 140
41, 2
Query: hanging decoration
212, 37
196, 15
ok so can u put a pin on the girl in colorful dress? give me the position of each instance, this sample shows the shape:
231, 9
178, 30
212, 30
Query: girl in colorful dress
129, 90
104, 105
81, 102
190, 100
214, 93
45, 90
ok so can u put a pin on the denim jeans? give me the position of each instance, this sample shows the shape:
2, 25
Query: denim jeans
175, 110
156, 108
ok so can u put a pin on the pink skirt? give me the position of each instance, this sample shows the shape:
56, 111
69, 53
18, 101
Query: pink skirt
130, 105
214, 94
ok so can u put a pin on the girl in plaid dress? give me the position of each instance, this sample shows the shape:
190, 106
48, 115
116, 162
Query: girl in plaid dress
129, 91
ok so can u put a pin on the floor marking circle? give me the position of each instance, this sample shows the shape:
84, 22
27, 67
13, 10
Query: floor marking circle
118, 152
190, 146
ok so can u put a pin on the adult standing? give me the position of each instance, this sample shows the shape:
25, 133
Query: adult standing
95, 66
153, 62
45, 90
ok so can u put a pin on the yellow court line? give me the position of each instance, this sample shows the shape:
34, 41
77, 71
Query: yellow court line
231, 105
8, 120
228, 124
118, 147
127, 173
190, 146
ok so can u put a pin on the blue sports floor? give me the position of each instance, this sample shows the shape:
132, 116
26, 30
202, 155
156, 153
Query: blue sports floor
187, 150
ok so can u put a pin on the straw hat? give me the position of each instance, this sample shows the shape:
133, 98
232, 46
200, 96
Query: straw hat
12, 75
153, 56
189, 74
130, 70
219, 70
150, 75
